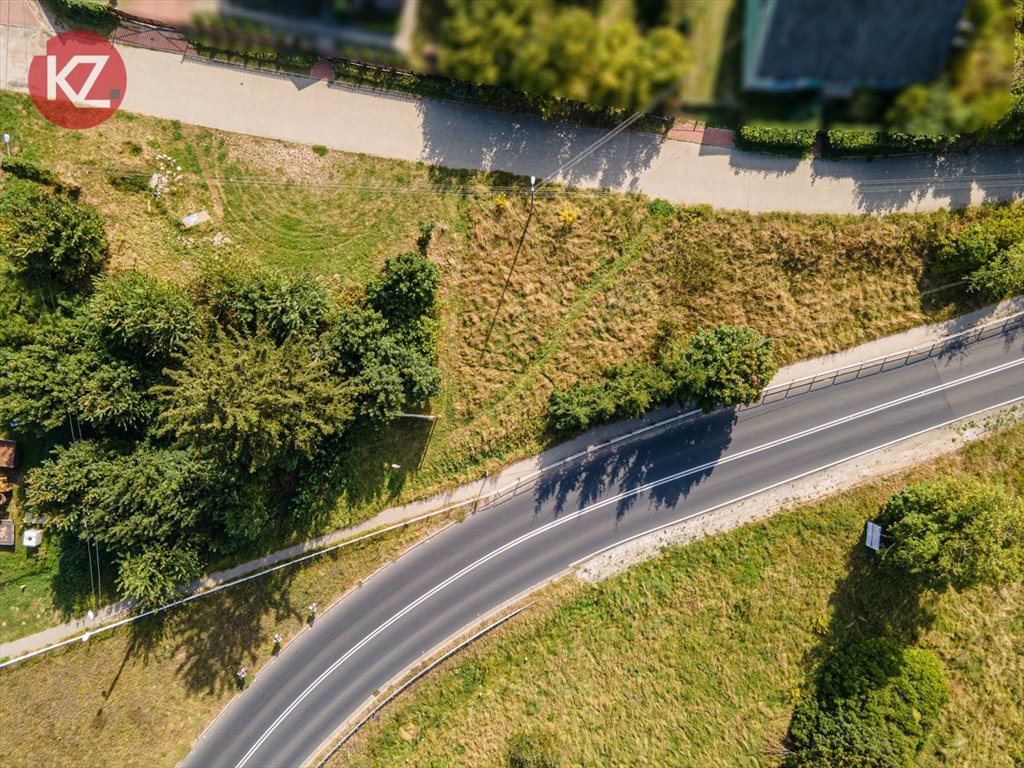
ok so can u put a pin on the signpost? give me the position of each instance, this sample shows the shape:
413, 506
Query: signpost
873, 539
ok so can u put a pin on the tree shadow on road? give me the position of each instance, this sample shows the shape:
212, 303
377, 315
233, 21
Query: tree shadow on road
687, 450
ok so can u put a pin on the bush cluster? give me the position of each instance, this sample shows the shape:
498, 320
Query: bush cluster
93, 15
728, 366
793, 142
876, 703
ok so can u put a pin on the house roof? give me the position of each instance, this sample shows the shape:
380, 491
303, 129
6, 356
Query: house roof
842, 44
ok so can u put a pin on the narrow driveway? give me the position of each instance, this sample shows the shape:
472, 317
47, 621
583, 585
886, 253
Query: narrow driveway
449, 582
460, 136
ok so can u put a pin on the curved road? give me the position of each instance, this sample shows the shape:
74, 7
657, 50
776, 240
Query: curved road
449, 582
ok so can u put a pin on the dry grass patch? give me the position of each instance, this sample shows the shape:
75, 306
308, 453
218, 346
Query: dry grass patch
697, 657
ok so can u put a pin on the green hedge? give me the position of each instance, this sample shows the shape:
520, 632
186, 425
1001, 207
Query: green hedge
855, 143
792, 142
90, 15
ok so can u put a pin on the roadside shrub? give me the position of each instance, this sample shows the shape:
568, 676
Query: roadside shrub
623, 393
406, 289
1002, 276
319, 149
727, 366
793, 142
972, 246
93, 15
153, 576
856, 143
875, 705
660, 207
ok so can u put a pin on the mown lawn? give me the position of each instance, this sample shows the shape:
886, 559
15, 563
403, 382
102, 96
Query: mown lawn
140, 695
586, 295
697, 657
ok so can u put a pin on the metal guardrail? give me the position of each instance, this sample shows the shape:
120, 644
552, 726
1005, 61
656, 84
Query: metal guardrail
854, 371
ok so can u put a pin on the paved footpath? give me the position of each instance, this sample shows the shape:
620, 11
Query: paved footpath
525, 468
305, 110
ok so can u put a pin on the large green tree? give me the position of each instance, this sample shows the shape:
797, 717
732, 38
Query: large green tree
876, 703
553, 49
243, 400
956, 532
729, 365
50, 237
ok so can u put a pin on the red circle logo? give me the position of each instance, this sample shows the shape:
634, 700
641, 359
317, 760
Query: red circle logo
79, 82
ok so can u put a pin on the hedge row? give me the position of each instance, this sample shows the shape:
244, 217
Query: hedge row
839, 143
792, 142
92, 15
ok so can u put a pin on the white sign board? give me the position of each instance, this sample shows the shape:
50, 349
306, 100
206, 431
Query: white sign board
873, 540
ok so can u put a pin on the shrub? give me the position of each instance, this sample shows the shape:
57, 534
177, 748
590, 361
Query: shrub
1002, 276
51, 237
972, 246
568, 215
405, 291
532, 751
855, 143
728, 366
152, 576
660, 207
623, 393
955, 532
794, 142
130, 182
319, 149
93, 15
876, 703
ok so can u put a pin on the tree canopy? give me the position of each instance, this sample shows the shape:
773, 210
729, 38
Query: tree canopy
554, 49
729, 365
956, 532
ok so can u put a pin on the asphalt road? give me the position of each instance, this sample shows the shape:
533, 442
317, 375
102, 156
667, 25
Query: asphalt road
463, 573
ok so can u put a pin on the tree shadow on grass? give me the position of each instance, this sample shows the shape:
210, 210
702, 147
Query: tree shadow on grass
689, 449
218, 634
869, 602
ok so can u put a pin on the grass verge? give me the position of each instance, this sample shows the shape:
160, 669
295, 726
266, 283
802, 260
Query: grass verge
140, 695
697, 657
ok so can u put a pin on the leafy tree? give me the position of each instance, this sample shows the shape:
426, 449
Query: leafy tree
245, 295
242, 399
393, 376
405, 291
1001, 276
51, 237
141, 319
728, 366
354, 332
62, 487
153, 575
548, 49
955, 532
532, 750
875, 705
62, 373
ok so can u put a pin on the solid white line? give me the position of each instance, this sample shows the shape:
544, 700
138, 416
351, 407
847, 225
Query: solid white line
580, 513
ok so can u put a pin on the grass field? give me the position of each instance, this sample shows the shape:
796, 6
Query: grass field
583, 296
140, 695
697, 657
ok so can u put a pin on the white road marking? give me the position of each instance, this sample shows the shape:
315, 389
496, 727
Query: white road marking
586, 510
